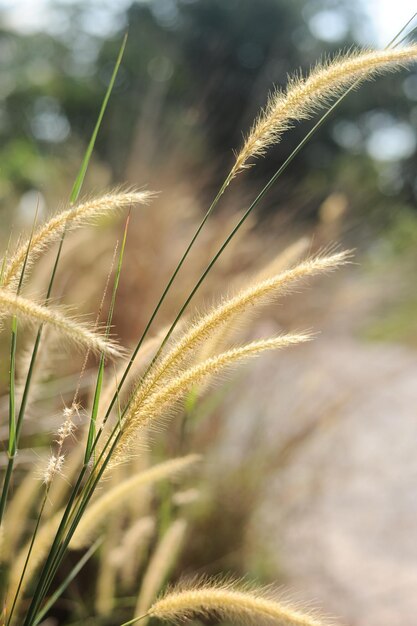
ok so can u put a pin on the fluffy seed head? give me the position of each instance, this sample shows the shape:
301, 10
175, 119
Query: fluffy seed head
76, 216
149, 412
67, 427
227, 601
260, 292
304, 96
78, 333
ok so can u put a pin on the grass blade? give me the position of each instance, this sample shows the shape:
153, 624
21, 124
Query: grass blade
75, 192
99, 383
68, 580
14, 428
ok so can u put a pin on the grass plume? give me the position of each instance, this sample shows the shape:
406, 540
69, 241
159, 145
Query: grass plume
305, 95
77, 333
148, 413
76, 216
227, 601
257, 293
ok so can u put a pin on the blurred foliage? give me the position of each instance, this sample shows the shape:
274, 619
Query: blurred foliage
194, 75
397, 324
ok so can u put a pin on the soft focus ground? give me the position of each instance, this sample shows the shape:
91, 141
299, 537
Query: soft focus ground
336, 420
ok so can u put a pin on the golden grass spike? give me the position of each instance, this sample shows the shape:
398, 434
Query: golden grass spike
142, 360
75, 216
75, 331
227, 601
284, 260
220, 315
165, 397
304, 96
160, 565
99, 510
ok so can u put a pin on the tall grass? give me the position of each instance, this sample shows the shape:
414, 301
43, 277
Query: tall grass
131, 398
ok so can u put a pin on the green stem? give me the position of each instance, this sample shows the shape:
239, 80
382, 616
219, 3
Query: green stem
75, 570
32, 542
166, 290
135, 619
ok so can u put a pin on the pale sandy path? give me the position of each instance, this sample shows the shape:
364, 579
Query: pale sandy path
340, 515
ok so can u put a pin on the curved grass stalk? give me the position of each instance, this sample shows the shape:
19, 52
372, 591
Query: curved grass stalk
256, 294
143, 414
304, 96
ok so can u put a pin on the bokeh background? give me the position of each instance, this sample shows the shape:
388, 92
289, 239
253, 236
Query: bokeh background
311, 464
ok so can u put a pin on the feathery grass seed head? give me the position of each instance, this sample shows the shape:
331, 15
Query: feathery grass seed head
78, 333
304, 96
76, 216
54, 466
149, 412
228, 601
202, 330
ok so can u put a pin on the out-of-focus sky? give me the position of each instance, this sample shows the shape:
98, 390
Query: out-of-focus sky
389, 16
30, 15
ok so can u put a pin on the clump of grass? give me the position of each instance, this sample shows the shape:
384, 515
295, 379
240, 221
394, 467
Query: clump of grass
164, 372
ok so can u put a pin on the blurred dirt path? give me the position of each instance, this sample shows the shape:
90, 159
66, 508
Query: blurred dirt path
338, 511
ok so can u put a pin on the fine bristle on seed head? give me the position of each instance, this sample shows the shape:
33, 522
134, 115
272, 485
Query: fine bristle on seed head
227, 600
304, 96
